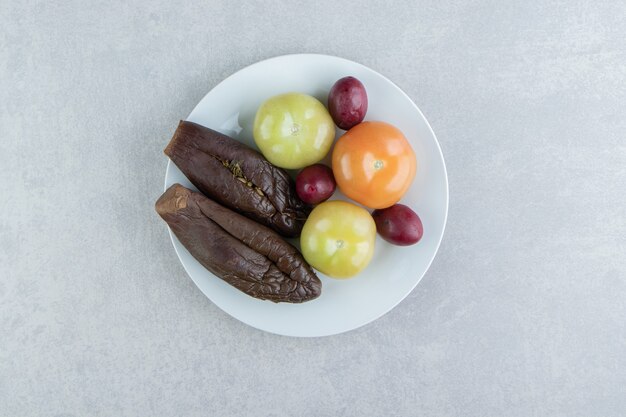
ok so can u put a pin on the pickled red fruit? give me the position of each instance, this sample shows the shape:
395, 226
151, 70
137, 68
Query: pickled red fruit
347, 102
399, 225
315, 184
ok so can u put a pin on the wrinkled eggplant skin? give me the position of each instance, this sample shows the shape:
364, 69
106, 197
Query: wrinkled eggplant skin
267, 194
245, 254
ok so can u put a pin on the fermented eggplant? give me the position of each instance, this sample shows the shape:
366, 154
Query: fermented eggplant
238, 177
245, 254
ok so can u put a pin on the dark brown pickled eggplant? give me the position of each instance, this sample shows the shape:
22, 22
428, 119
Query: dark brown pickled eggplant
245, 254
238, 177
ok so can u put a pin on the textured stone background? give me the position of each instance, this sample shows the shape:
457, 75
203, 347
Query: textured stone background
522, 313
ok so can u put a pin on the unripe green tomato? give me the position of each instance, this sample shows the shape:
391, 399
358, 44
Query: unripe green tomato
293, 130
338, 239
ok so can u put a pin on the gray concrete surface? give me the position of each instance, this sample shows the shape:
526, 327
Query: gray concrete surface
522, 313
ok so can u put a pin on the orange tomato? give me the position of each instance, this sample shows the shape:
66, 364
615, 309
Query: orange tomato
374, 164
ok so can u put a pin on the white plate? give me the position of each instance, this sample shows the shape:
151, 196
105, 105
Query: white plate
394, 271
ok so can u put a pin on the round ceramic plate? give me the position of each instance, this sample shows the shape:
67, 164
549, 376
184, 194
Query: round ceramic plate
394, 271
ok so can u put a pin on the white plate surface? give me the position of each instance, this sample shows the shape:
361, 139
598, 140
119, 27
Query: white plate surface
394, 271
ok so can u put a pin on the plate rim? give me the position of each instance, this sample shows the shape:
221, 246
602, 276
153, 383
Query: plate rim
445, 175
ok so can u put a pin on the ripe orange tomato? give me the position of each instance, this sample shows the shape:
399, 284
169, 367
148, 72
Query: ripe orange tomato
374, 164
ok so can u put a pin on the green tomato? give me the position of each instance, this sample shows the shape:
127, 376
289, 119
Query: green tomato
338, 239
293, 130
